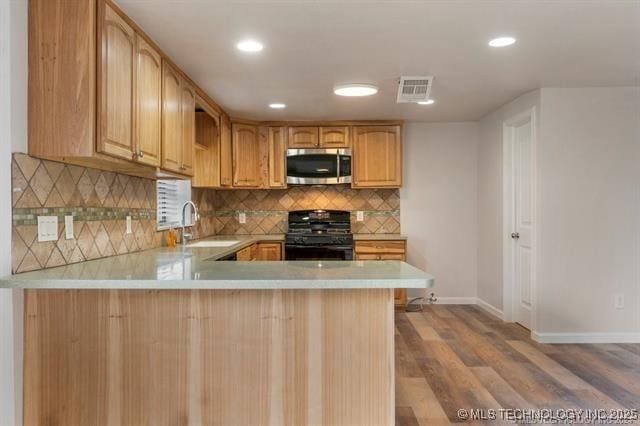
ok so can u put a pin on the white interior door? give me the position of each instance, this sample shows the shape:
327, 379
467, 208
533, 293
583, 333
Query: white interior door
523, 214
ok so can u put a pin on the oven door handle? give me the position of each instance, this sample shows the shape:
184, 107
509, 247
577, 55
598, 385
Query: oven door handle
335, 248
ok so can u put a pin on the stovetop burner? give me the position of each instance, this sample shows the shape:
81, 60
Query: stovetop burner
319, 227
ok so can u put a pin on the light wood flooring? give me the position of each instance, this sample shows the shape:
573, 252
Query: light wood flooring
457, 356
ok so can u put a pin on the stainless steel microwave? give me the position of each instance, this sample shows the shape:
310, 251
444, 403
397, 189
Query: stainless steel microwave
318, 166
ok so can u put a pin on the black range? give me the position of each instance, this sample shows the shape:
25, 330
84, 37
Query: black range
319, 235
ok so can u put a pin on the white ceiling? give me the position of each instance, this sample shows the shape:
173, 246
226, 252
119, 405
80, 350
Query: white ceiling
312, 45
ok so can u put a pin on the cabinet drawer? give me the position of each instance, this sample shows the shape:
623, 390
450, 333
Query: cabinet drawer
387, 247
379, 256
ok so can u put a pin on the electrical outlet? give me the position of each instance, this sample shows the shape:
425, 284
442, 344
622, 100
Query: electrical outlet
129, 231
618, 301
68, 227
242, 217
47, 228
360, 216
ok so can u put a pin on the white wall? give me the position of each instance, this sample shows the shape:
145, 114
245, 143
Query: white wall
438, 204
490, 193
13, 74
589, 210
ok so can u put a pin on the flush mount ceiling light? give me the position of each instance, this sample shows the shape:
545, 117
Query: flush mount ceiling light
277, 105
355, 89
427, 102
502, 41
249, 46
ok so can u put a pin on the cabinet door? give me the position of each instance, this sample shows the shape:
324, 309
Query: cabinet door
188, 117
117, 85
246, 254
277, 147
226, 161
148, 103
171, 119
303, 137
247, 162
334, 137
377, 157
269, 251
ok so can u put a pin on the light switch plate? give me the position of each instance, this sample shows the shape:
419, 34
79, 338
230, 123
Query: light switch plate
360, 216
68, 227
47, 228
128, 231
242, 217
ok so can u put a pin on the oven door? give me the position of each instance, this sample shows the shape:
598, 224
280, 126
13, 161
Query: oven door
296, 252
318, 166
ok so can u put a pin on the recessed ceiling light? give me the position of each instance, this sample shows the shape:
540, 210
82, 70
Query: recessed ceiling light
277, 105
502, 41
427, 102
249, 46
355, 90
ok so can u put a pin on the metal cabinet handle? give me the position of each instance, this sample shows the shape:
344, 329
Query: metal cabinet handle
515, 235
140, 154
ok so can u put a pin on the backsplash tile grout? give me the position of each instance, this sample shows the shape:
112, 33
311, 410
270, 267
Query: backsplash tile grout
100, 201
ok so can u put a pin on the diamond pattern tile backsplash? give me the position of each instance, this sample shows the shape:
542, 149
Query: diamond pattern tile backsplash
266, 210
100, 201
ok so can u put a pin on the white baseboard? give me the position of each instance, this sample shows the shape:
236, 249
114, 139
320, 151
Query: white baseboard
545, 337
586, 337
456, 301
489, 308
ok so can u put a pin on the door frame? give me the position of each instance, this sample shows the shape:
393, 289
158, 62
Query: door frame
508, 206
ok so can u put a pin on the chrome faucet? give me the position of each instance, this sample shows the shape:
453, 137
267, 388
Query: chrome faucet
185, 236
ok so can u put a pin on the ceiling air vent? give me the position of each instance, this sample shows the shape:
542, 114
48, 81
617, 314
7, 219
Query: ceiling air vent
414, 89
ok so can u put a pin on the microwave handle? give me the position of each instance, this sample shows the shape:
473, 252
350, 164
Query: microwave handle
338, 165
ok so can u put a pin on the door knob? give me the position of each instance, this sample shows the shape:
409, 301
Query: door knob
515, 235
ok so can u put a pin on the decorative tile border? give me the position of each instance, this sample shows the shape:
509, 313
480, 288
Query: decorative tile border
29, 216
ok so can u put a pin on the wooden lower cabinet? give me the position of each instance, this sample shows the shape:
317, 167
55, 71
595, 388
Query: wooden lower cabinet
260, 251
268, 251
245, 254
385, 250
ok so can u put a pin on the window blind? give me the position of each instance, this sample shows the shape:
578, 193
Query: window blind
171, 194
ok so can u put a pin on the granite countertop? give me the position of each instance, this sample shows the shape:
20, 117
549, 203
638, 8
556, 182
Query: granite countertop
193, 267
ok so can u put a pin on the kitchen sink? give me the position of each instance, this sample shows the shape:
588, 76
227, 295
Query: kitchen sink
213, 243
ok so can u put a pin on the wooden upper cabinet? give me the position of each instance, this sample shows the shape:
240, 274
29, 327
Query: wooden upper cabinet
148, 103
226, 160
188, 114
277, 150
334, 137
247, 156
377, 157
303, 137
171, 119
116, 85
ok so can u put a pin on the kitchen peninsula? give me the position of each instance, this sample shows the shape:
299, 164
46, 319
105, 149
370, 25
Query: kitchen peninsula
172, 336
